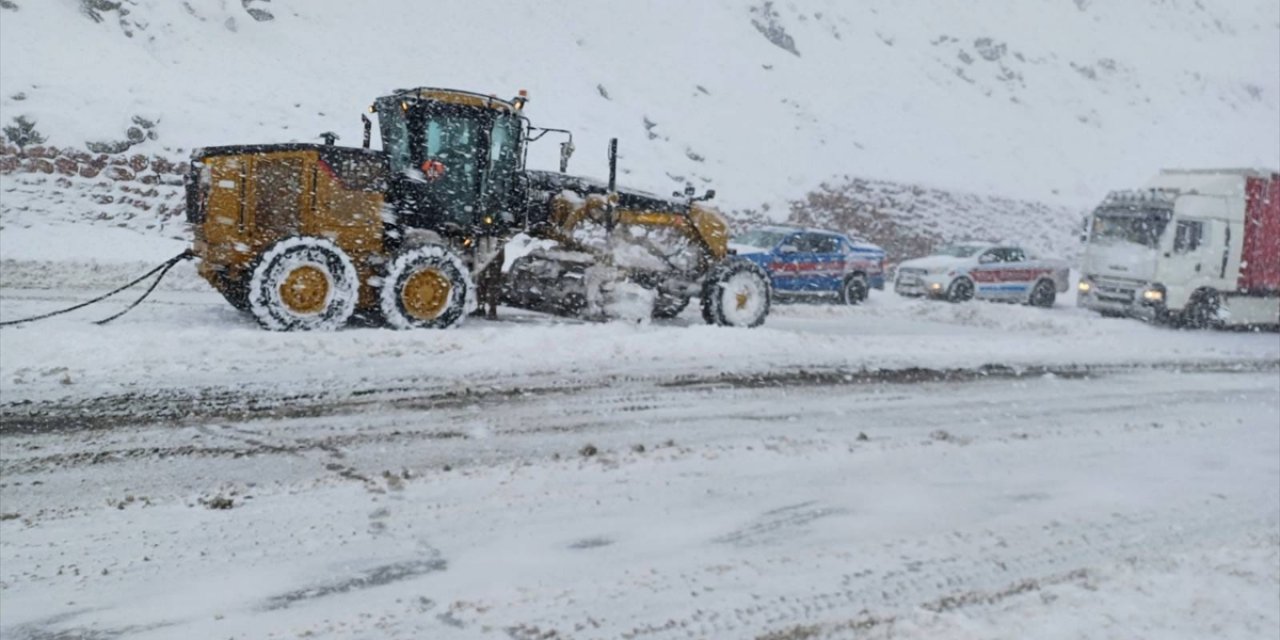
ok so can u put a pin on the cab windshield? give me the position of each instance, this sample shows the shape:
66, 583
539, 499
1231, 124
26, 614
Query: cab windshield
760, 238
1128, 226
504, 162
451, 134
395, 137
465, 160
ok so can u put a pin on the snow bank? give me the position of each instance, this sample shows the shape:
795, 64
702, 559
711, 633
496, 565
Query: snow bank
196, 340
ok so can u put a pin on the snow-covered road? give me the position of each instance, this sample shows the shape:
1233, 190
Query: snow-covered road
1130, 504
902, 469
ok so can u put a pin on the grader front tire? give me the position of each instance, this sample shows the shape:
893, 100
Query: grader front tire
736, 293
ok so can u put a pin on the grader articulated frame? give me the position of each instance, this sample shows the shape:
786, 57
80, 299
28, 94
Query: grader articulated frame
306, 236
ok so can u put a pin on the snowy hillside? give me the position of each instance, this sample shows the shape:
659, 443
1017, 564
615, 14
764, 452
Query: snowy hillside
1046, 100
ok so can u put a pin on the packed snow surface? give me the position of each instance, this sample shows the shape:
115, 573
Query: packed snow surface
900, 469
1140, 504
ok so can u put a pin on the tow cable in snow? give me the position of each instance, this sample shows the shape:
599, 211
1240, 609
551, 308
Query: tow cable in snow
162, 269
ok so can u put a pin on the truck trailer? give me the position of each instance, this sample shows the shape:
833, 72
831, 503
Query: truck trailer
1195, 248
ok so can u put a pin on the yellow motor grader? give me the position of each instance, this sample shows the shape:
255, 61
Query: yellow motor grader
306, 236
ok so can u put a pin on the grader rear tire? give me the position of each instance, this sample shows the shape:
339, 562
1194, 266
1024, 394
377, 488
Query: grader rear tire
426, 288
303, 284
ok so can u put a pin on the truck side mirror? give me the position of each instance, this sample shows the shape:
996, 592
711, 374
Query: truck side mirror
689, 190
711, 193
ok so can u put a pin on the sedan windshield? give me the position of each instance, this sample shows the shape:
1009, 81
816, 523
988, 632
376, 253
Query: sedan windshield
760, 238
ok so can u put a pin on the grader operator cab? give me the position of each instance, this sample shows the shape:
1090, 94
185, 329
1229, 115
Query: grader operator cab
305, 236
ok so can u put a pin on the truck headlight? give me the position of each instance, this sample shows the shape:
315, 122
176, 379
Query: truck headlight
1153, 295
1084, 286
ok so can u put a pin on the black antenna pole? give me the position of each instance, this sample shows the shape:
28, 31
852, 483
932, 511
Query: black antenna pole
613, 182
613, 164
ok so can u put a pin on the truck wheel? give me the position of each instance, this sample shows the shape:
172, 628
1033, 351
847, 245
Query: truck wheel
425, 288
736, 294
854, 290
303, 284
960, 291
1202, 311
1043, 295
666, 306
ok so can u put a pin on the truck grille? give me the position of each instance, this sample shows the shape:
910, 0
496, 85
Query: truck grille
1115, 290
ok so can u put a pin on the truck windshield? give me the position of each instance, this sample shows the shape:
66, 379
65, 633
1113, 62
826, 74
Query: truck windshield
1127, 226
760, 238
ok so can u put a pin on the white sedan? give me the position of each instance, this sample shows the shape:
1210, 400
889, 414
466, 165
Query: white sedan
983, 270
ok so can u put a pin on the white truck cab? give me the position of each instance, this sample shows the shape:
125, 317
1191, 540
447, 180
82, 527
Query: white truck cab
1199, 247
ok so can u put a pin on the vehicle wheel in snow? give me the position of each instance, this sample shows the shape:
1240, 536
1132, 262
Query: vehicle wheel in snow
736, 294
668, 306
1202, 311
960, 291
854, 290
303, 284
425, 287
1043, 294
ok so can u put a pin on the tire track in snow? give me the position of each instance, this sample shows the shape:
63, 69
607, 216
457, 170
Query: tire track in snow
194, 406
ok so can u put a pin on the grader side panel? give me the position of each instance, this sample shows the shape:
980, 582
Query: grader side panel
277, 193
259, 195
348, 210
